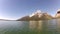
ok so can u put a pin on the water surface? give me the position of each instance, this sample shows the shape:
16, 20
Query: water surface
30, 27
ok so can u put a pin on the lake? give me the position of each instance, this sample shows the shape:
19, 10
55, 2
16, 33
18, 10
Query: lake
30, 27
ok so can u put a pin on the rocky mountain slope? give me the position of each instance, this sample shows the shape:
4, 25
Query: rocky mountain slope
38, 15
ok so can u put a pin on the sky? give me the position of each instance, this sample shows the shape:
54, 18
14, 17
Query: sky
15, 9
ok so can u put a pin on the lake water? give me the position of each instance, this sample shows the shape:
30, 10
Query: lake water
30, 27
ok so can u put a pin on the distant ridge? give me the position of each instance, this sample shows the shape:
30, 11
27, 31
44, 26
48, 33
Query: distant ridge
5, 20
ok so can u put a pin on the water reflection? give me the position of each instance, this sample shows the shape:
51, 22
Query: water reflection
46, 25
35, 25
58, 25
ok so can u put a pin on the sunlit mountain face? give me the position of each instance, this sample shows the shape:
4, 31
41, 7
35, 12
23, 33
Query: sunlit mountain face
38, 15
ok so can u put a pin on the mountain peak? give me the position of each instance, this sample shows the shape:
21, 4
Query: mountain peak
38, 12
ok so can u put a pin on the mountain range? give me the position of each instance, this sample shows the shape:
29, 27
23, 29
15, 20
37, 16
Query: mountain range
38, 15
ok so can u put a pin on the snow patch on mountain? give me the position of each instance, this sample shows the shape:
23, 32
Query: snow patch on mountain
38, 12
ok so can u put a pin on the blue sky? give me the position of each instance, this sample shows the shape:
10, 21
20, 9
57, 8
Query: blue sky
14, 9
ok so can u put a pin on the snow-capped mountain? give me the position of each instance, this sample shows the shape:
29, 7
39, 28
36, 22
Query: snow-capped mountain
38, 12
38, 15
